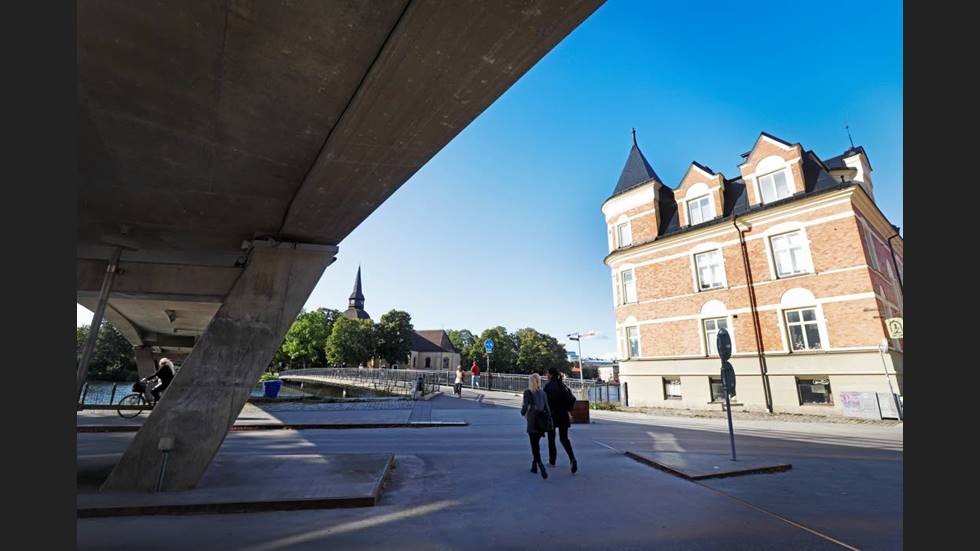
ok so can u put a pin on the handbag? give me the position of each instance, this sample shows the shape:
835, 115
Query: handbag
541, 418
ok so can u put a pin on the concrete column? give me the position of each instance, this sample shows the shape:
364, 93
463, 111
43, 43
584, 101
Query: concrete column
216, 378
146, 363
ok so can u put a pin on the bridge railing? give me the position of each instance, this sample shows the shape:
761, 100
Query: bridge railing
403, 381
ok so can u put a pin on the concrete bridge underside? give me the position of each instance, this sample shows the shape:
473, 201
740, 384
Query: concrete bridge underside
229, 146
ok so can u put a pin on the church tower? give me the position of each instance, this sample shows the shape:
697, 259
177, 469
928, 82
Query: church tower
355, 308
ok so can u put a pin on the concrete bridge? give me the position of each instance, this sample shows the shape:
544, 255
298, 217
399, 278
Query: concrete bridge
226, 148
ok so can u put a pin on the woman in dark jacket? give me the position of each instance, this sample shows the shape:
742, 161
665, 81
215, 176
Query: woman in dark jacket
561, 401
536, 399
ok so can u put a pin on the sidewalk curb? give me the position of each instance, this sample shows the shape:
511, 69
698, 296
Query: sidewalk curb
246, 506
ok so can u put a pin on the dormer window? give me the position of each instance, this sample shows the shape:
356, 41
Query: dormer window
624, 236
700, 210
775, 186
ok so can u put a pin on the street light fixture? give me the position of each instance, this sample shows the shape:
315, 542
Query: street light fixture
577, 337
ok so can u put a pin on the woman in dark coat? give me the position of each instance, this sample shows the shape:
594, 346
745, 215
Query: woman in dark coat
536, 399
561, 401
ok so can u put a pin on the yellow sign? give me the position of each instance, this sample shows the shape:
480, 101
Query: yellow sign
895, 328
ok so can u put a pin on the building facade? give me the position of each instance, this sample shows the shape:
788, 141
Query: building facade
792, 257
432, 349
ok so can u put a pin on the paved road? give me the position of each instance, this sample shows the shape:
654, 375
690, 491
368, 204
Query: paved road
469, 488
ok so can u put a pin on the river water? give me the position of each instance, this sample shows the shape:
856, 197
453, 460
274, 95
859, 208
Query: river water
101, 392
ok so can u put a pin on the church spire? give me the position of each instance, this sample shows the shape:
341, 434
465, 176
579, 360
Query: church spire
355, 307
357, 297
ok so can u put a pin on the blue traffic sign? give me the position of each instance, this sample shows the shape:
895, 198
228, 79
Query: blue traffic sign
488, 345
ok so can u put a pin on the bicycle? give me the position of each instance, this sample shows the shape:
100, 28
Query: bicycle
139, 400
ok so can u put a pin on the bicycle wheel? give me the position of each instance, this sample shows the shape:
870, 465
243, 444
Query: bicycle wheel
131, 400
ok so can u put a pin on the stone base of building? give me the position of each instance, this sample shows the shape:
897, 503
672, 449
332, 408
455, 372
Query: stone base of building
810, 383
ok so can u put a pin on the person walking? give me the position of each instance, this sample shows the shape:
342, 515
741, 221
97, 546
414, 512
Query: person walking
458, 386
560, 401
539, 421
475, 370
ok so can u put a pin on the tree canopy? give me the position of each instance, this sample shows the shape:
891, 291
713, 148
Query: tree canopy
113, 358
537, 352
305, 342
393, 337
351, 343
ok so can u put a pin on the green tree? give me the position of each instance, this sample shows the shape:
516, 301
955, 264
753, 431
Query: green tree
537, 352
463, 340
393, 337
351, 342
304, 343
113, 358
503, 359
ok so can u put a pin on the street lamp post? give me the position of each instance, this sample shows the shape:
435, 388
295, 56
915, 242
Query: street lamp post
577, 337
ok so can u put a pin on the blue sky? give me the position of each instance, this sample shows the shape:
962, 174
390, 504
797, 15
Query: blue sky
503, 226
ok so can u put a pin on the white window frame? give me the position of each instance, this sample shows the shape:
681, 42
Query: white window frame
830, 389
680, 389
872, 247
629, 345
805, 261
625, 288
723, 280
787, 177
620, 242
709, 342
707, 211
817, 322
711, 382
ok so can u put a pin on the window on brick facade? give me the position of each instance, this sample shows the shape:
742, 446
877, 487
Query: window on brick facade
672, 389
699, 210
717, 389
872, 249
633, 342
711, 271
624, 235
629, 287
804, 331
814, 390
789, 250
711, 328
774, 186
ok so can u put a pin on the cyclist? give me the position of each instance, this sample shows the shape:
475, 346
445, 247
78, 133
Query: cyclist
165, 374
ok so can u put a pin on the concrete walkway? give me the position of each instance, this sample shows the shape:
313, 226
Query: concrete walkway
469, 488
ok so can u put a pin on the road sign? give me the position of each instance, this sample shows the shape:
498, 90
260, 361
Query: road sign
728, 378
488, 345
724, 344
895, 327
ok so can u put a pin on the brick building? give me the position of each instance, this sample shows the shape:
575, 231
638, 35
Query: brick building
792, 257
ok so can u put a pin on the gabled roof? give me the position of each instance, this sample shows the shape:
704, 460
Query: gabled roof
816, 175
771, 137
433, 340
636, 172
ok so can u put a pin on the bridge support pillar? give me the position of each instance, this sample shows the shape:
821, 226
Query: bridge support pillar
216, 379
146, 364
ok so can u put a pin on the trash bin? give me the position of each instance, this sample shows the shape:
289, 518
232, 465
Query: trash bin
580, 412
272, 388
